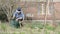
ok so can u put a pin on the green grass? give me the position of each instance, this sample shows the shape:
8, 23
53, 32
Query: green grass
46, 32
3, 26
35, 27
49, 27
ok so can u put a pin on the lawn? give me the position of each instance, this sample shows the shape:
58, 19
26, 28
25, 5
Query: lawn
30, 27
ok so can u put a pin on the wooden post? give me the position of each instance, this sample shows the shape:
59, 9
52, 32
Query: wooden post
42, 9
46, 11
54, 24
45, 20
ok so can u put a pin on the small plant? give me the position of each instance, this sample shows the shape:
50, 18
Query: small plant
22, 32
46, 32
49, 27
14, 33
39, 25
58, 32
3, 27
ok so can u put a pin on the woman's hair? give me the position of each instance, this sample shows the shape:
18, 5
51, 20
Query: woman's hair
19, 9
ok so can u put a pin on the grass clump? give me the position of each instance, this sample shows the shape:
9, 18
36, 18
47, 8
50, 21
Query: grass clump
49, 27
3, 26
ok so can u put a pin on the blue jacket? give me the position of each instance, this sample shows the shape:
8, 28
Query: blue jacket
18, 15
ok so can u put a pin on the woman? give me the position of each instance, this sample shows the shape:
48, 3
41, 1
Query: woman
19, 16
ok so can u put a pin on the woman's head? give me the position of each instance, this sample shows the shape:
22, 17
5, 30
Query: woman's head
18, 10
